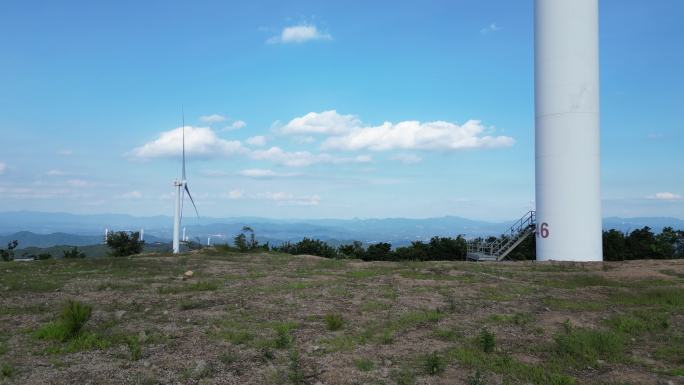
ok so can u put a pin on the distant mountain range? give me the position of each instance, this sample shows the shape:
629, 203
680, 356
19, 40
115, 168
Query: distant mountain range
39, 229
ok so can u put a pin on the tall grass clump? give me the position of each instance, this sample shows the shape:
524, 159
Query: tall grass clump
73, 316
333, 321
583, 347
487, 341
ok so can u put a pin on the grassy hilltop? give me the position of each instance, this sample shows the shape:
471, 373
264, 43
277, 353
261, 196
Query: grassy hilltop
278, 319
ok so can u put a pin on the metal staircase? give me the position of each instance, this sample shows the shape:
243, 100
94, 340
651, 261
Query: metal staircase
481, 250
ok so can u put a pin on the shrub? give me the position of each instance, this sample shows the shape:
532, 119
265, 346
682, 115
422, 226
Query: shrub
333, 321
378, 252
433, 363
487, 341
6, 370
8, 254
364, 364
124, 244
73, 253
477, 378
283, 337
43, 256
355, 250
68, 325
296, 373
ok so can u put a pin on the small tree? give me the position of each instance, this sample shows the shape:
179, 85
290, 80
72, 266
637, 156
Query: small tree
73, 253
240, 241
124, 244
253, 243
8, 254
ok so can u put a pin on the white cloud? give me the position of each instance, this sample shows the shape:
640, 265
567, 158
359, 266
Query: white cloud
135, 194
260, 173
299, 34
304, 158
326, 122
3, 168
236, 194
236, 125
284, 198
258, 140
490, 28
665, 196
57, 173
65, 152
199, 141
407, 158
413, 135
78, 183
213, 118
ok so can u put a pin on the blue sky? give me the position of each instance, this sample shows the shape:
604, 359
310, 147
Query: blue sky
314, 109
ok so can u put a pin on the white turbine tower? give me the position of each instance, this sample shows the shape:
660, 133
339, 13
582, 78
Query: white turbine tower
568, 182
181, 188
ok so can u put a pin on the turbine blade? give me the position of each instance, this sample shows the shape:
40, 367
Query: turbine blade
183, 112
193, 202
182, 204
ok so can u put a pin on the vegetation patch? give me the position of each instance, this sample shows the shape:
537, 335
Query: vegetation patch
333, 321
584, 347
364, 364
71, 320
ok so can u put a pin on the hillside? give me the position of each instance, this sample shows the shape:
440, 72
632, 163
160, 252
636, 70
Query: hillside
280, 319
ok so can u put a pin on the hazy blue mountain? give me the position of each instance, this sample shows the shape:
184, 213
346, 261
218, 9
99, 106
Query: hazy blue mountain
30, 239
50, 229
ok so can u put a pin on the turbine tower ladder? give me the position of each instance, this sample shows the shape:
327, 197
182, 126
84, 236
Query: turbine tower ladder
498, 250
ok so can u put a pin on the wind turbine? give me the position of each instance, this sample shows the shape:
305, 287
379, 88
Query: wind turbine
181, 188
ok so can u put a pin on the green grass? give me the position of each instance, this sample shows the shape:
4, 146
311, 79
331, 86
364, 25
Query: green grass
283, 337
520, 319
578, 281
71, 320
433, 363
671, 298
415, 318
673, 352
194, 287
487, 341
639, 322
341, 343
573, 305
372, 306
364, 364
6, 370
510, 370
448, 334
581, 347
333, 321
404, 376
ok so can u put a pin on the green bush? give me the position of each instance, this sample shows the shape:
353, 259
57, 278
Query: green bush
124, 244
8, 254
73, 253
6, 370
68, 325
364, 364
333, 321
487, 341
433, 363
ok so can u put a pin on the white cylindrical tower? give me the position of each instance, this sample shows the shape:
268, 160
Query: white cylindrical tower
567, 162
177, 217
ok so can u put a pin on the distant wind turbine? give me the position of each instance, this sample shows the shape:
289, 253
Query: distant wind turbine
181, 188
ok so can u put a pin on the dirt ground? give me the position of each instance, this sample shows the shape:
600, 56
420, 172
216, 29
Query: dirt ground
280, 319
